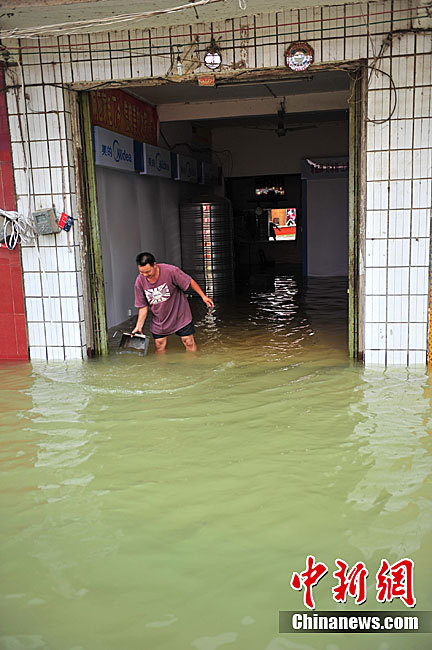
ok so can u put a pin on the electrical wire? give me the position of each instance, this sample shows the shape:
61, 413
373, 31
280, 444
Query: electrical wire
231, 31
72, 27
217, 152
393, 87
16, 227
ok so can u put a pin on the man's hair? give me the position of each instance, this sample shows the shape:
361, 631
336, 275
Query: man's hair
142, 259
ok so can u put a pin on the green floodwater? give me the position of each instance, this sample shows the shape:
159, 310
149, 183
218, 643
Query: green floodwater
163, 504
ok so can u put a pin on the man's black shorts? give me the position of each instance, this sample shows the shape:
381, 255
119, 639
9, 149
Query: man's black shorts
187, 330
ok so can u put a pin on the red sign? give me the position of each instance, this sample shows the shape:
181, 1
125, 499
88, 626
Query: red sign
117, 111
208, 80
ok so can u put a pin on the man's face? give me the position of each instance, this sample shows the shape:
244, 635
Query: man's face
148, 271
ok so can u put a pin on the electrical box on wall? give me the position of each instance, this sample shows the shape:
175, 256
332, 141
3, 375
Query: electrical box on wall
45, 221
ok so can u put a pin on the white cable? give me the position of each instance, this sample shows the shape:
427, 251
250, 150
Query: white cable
242, 4
16, 227
72, 27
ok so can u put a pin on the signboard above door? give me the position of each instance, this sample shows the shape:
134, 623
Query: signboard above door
120, 112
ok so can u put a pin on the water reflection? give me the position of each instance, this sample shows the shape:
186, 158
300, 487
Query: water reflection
396, 449
165, 505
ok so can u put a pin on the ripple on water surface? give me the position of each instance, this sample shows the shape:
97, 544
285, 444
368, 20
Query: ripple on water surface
164, 503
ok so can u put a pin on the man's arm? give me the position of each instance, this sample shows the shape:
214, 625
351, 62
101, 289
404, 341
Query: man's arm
142, 315
208, 301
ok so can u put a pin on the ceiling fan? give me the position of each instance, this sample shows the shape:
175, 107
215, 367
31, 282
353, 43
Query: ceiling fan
281, 129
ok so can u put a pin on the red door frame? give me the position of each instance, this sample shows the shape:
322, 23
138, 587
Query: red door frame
13, 336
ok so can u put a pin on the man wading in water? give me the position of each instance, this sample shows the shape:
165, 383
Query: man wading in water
161, 288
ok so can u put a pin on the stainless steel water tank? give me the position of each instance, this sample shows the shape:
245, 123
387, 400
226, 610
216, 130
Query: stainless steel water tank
207, 244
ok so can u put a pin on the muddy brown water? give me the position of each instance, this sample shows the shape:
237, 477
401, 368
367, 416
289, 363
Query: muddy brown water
163, 504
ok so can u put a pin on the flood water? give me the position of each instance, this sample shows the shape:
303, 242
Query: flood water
163, 504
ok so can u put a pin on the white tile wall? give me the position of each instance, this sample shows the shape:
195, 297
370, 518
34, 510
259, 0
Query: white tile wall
30, 259
74, 352
376, 252
38, 352
377, 195
398, 165
70, 309
376, 309
376, 225
68, 284
53, 309
422, 193
48, 258
422, 133
36, 334
378, 165
418, 306
422, 163
417, 336
401, 134
398, 252
397, 309
397, 358
34, 309
398, 280
400, 194
399, 223
420, 220
55, 354
419, 280
375, 336
420, 251
375, 357
402, 70
54, 334
397, 336
416, 358
423, 106
32, 284
50, 284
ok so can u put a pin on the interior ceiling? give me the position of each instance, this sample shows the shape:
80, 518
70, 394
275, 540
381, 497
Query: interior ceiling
33, 13
270, 122
225, 91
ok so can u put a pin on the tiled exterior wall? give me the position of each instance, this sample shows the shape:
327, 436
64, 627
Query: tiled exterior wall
52, 277
399, 158
397, 251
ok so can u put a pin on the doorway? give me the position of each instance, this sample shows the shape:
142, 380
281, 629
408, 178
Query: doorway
228, 145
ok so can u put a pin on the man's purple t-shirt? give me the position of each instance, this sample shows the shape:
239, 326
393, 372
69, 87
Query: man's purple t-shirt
166, 299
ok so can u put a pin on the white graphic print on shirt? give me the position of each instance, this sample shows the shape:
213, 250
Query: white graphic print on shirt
157, 295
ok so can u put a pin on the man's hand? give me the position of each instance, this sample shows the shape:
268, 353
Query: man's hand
208, 301
142, 315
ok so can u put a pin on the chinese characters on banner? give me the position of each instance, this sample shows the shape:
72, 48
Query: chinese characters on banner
117, 111
392, 581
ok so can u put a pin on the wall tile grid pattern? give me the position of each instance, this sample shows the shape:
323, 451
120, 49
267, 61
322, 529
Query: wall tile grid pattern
51, 267
397, 247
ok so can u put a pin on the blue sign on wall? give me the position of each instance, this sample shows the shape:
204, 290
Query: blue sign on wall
113, 150
187, 169
156, 161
